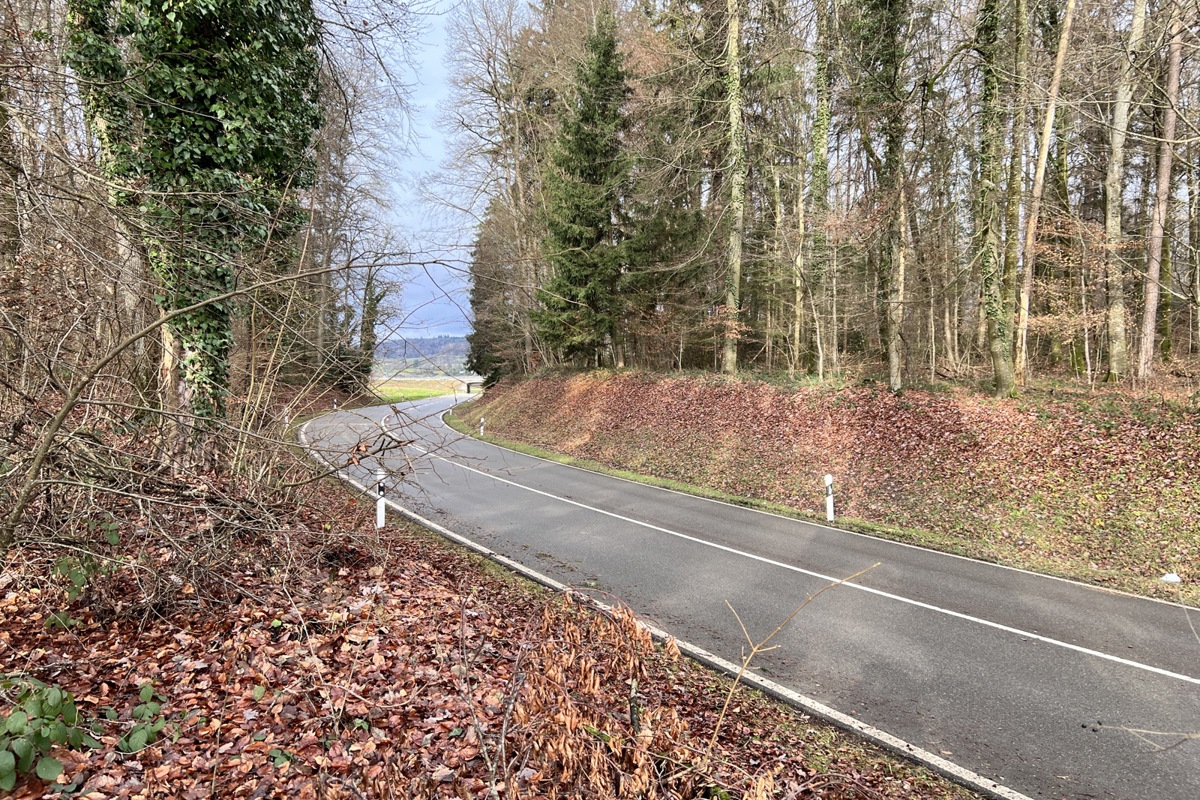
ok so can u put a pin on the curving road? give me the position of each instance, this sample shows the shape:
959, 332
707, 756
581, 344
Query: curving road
1000, 672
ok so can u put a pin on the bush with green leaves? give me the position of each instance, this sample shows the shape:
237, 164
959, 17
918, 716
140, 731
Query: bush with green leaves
149, 721
41, 718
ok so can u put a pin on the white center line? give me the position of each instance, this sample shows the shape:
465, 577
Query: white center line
762, 559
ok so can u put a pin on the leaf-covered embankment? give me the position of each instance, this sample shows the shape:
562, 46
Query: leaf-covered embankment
1100, 488
359, 664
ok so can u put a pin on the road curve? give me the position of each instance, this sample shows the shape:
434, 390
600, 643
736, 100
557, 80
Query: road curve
1044, 686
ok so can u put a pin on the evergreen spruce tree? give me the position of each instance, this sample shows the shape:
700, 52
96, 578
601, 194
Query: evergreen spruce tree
584, 185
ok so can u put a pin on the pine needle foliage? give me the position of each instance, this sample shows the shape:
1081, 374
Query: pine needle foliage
585, 184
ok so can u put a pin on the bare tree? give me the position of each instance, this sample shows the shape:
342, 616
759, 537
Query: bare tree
1118, 354
1162, 199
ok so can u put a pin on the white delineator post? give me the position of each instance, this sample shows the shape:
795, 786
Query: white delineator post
380, 504
481, 426
829, 498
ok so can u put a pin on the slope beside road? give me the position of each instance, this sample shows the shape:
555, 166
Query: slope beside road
1035, 683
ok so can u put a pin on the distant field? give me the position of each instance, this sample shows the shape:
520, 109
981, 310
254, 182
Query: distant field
431, 366
399, 390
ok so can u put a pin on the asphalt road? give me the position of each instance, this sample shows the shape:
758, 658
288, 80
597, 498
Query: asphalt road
999, 671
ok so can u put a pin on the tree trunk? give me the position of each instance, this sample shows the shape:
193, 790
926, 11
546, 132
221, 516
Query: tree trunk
987, 223
1165, 337
372, 297
9, 224
178, 423
1194, 242
1118, 353
1016, 170
1162, 204
737, 188
898, 253
1035, 200
819, 190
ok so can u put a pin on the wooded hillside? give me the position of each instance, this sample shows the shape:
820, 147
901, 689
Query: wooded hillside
918, 189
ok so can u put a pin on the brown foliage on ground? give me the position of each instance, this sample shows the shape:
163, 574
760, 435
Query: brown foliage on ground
333, 661
1102, 488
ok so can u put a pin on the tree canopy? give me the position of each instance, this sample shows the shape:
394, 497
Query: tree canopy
585, 184
841, 189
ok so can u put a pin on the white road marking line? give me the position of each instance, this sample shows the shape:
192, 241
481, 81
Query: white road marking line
793, 568
806, 704
819, 525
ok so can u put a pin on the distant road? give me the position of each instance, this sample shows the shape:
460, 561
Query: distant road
999, 671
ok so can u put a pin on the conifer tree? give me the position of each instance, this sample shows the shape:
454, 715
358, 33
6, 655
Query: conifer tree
584, 186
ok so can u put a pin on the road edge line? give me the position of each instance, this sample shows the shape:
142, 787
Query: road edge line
823, 526
808, 705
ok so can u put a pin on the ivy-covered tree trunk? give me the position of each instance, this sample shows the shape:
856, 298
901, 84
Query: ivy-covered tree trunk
581, 303
373, 294
987, 217
204, 113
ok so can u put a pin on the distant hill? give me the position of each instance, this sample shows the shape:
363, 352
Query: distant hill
436, 355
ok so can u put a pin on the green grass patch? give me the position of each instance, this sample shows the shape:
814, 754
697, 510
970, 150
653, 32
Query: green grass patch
404, 391
402, 394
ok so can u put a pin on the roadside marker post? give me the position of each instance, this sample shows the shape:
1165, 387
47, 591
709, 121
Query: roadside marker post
481, 426
829, 498
381, 503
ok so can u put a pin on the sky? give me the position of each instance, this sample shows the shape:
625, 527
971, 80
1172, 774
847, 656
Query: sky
435, 293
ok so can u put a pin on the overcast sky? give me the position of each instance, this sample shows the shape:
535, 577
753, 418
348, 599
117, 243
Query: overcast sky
434, 298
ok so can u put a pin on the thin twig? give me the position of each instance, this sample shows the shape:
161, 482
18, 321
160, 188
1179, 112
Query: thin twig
760, 647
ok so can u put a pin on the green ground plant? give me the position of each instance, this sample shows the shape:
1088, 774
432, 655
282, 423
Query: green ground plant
40, 718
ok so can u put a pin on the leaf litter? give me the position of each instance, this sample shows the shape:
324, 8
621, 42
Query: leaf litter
351, 663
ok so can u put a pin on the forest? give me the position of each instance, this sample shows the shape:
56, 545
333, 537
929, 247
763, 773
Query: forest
193, 252
914, 190
197, 254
